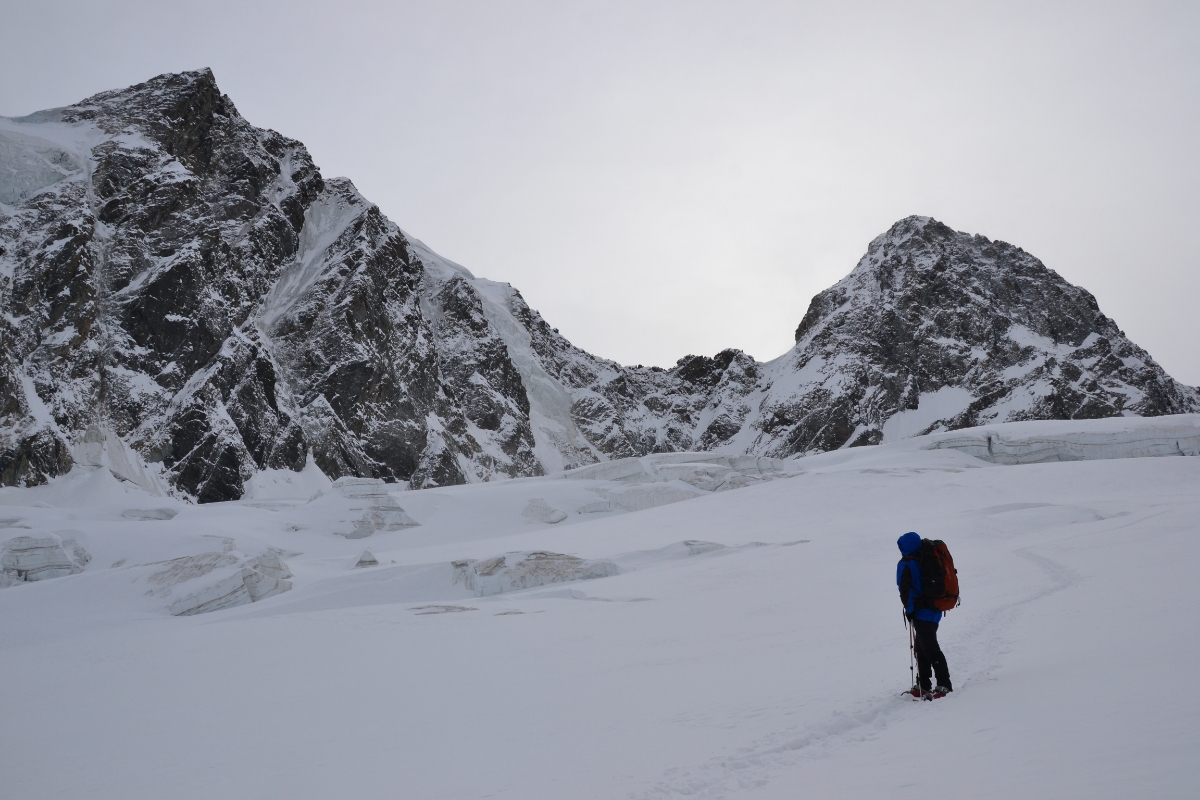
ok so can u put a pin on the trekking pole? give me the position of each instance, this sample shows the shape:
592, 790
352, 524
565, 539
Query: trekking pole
911, 649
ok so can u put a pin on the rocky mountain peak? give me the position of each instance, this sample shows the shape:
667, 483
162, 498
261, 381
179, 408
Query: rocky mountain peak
193, 288
929, 311
922, 268
176, 110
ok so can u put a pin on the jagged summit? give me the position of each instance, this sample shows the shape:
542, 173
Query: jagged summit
959, 330
175, 110
193, 287
921, 266
173, 101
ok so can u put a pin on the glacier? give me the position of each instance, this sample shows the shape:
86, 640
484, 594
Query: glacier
726, 644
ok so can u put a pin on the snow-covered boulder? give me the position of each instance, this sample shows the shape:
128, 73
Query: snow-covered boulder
213, 581
39, 558
371, 508
639, 498
145, 514
367, 559
523, 570
538, 510
271, 565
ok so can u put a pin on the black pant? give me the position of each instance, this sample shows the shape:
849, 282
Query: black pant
929, 655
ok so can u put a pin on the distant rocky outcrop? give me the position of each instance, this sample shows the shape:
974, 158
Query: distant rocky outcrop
192, 290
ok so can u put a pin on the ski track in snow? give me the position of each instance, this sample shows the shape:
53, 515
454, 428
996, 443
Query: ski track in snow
977, 654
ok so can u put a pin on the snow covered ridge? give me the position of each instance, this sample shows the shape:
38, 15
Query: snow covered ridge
187, 301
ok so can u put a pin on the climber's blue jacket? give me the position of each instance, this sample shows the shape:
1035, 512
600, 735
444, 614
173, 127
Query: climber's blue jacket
908, 578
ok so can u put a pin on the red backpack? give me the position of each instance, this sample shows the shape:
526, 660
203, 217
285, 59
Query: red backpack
939, 578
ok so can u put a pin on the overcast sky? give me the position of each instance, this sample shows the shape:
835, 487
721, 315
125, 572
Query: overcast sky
669, 178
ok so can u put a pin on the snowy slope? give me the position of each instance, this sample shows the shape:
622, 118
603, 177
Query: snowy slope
749, 645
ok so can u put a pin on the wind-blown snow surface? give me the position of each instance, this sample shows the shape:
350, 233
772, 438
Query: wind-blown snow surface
750, 645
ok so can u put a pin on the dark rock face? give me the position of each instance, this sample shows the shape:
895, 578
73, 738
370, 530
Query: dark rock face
194, 285
482, 379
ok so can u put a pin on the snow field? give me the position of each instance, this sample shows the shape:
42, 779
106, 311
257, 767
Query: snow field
769, 667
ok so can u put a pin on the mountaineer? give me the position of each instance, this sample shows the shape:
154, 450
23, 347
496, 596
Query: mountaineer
919, 594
